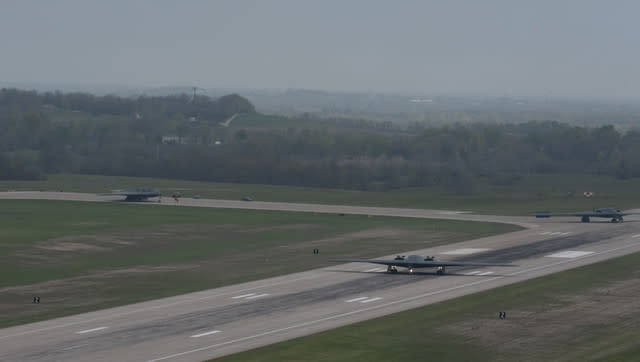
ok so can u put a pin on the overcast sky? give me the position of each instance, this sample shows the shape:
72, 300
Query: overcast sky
534, 47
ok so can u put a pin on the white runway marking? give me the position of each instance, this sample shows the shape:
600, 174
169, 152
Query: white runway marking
565, 233
465, 251
204, 334
485, 273
243, 296
157, 307
546, 233
91, 330
257, 296
377, 306
74, 347
473, 272
375, 270
636, 236
570, 254
370, 300
356, 299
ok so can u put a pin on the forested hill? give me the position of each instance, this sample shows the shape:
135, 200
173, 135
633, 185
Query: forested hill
185, 138
14, 102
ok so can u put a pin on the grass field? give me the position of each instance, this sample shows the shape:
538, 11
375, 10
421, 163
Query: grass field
536, 192
83, 256
588, 313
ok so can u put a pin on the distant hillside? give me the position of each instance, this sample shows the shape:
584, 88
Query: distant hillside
16, 102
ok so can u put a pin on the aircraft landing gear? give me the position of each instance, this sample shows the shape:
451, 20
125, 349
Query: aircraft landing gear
391, 269
615, 220
440, 270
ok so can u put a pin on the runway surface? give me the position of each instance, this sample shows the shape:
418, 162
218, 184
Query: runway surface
216, 322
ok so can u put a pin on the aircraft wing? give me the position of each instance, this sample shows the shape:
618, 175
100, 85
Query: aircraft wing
417, 264
541, 214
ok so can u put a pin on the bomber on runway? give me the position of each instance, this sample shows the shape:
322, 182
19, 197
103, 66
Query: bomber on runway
412, 262
137, 194
606, 212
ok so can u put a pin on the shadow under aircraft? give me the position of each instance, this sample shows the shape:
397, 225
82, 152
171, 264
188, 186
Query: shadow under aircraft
606, 212
137, 194
413, 262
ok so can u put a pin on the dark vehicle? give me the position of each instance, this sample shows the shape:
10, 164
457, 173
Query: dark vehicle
247, 198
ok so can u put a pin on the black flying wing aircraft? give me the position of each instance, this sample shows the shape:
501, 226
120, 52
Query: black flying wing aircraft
412, 262
606, 212
138, 194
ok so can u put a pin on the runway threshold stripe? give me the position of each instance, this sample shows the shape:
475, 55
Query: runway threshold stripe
91, 330
243, 296
383, 305
371, 300
204, 334
356, 299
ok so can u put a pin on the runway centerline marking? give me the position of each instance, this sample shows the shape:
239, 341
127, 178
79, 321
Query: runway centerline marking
356, 299
243, 296
257, 296
485, 273
379, 306
465, 251
375, 270
91, 330
205, 334
370, 300
636, 236
74, 347
474, 272
569, 254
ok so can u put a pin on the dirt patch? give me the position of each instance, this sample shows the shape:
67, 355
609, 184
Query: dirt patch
279, 227
549, 328
90, 279
69, 246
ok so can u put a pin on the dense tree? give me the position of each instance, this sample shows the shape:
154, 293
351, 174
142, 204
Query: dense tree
82, 133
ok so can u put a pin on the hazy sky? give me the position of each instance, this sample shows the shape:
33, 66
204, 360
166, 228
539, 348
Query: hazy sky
534, 47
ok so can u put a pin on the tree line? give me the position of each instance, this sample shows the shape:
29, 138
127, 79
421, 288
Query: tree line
117, 136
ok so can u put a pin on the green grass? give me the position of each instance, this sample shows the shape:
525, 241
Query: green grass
82, 256
548, 319
532, 193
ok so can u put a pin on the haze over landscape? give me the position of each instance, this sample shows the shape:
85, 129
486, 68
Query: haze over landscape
327, 180
576, 49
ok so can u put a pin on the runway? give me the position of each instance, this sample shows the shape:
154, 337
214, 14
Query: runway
217, 322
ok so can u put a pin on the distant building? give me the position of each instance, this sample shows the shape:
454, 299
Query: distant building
177, 140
